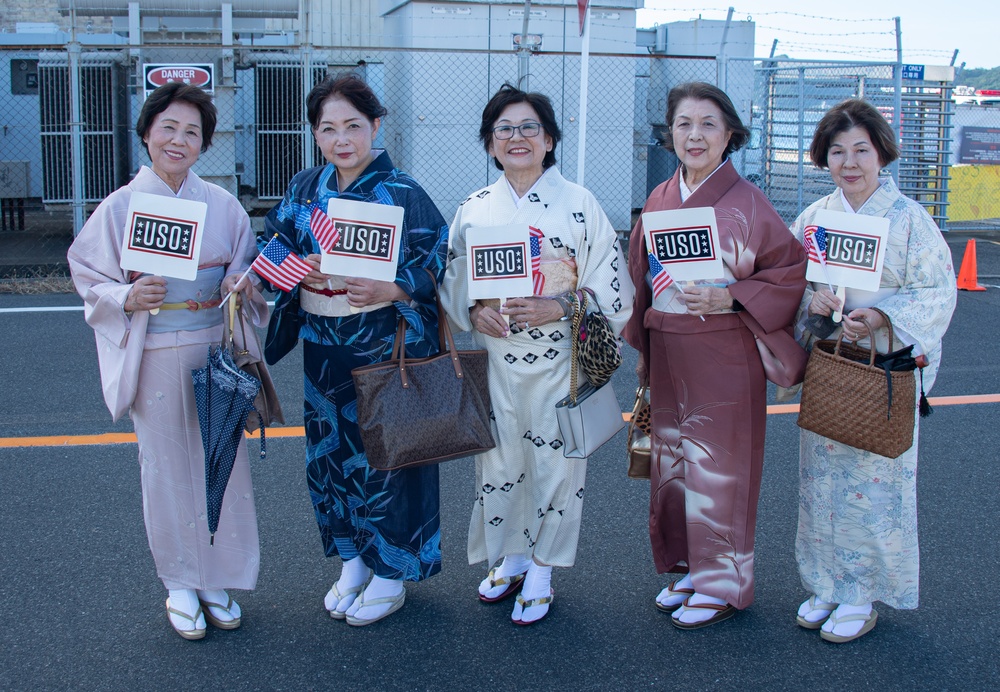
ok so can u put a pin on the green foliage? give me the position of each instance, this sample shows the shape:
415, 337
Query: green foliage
980, 78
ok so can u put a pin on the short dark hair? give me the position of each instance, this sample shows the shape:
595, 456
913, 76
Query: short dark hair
849, 114
163, 96
351, 88
703, 91
508, 95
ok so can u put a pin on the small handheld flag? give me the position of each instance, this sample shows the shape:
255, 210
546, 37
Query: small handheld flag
538, 279
280, 266
660, 276
814, 241
324, 230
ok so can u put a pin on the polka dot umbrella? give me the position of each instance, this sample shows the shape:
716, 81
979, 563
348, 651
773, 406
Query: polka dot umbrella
224, 396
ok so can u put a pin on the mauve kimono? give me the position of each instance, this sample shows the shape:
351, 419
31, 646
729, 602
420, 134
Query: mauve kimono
147, 372
708, 385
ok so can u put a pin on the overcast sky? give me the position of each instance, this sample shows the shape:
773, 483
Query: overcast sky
858, 29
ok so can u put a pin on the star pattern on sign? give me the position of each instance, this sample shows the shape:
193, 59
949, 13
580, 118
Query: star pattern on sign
660, 246
530, 358
869, 252
703, 239
551, 354
384, 248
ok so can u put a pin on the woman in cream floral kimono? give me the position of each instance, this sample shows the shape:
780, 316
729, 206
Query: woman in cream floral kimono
857, 534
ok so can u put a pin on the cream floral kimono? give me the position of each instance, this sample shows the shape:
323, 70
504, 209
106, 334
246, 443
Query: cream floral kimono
857, 533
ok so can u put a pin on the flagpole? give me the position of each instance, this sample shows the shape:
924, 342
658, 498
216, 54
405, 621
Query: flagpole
581, 153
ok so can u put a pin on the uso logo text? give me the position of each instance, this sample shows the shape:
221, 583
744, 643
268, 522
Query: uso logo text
360, 239
683, 244
502, 261
857, 251
162, 235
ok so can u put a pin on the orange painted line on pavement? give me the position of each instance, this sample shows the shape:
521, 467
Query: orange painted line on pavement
129, 438
114, 438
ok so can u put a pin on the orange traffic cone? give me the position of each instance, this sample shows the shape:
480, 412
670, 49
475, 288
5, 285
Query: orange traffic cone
967, 275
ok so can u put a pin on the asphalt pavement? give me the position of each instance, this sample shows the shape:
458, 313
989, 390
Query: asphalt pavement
81, 607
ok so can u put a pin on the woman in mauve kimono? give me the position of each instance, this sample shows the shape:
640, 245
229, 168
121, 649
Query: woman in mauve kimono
146, 362
529, 498
708, 348
385, 526
857, 534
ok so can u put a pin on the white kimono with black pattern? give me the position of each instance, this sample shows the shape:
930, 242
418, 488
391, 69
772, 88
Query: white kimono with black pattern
529, 498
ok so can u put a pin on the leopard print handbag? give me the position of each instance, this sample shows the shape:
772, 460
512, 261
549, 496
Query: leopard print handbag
600, 351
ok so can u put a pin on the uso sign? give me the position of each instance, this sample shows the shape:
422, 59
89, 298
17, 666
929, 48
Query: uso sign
683, 244
501, 261
196, 74
162, 235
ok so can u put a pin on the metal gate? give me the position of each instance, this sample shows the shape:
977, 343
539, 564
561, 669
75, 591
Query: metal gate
103, 120
790, 98
282, 131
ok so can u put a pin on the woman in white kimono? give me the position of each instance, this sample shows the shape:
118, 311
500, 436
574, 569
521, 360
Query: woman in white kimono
529, 498
146, 361
857, 533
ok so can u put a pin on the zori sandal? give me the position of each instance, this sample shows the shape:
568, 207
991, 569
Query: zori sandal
869, 621
513, 584
672, 593
191, 634
214, 620
723, 612
814, 605
527, 603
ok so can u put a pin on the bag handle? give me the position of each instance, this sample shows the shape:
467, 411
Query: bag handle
579, 313
871, 338
445, 338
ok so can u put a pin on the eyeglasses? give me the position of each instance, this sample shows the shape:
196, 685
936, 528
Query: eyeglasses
526, 129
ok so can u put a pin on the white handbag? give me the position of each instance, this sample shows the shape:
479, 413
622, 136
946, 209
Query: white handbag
589, 416
593, 419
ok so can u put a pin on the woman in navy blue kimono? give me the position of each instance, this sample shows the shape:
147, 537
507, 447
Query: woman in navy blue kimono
385, 526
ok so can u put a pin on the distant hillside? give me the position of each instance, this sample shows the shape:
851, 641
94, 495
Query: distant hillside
980, 78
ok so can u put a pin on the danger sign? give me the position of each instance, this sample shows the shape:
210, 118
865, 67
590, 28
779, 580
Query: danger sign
196, 74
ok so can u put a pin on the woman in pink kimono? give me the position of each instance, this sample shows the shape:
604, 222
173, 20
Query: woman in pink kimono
146, 361
708, 348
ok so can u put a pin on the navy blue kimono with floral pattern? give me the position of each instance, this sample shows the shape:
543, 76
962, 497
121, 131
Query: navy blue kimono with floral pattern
390, 519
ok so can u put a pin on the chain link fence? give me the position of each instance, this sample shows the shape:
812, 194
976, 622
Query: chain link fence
68, 117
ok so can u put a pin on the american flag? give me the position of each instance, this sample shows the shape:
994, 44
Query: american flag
814, 240
660, 276
280, 266
324, 230
537, 277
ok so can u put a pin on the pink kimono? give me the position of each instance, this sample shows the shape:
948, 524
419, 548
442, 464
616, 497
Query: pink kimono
148, 374
708, 384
